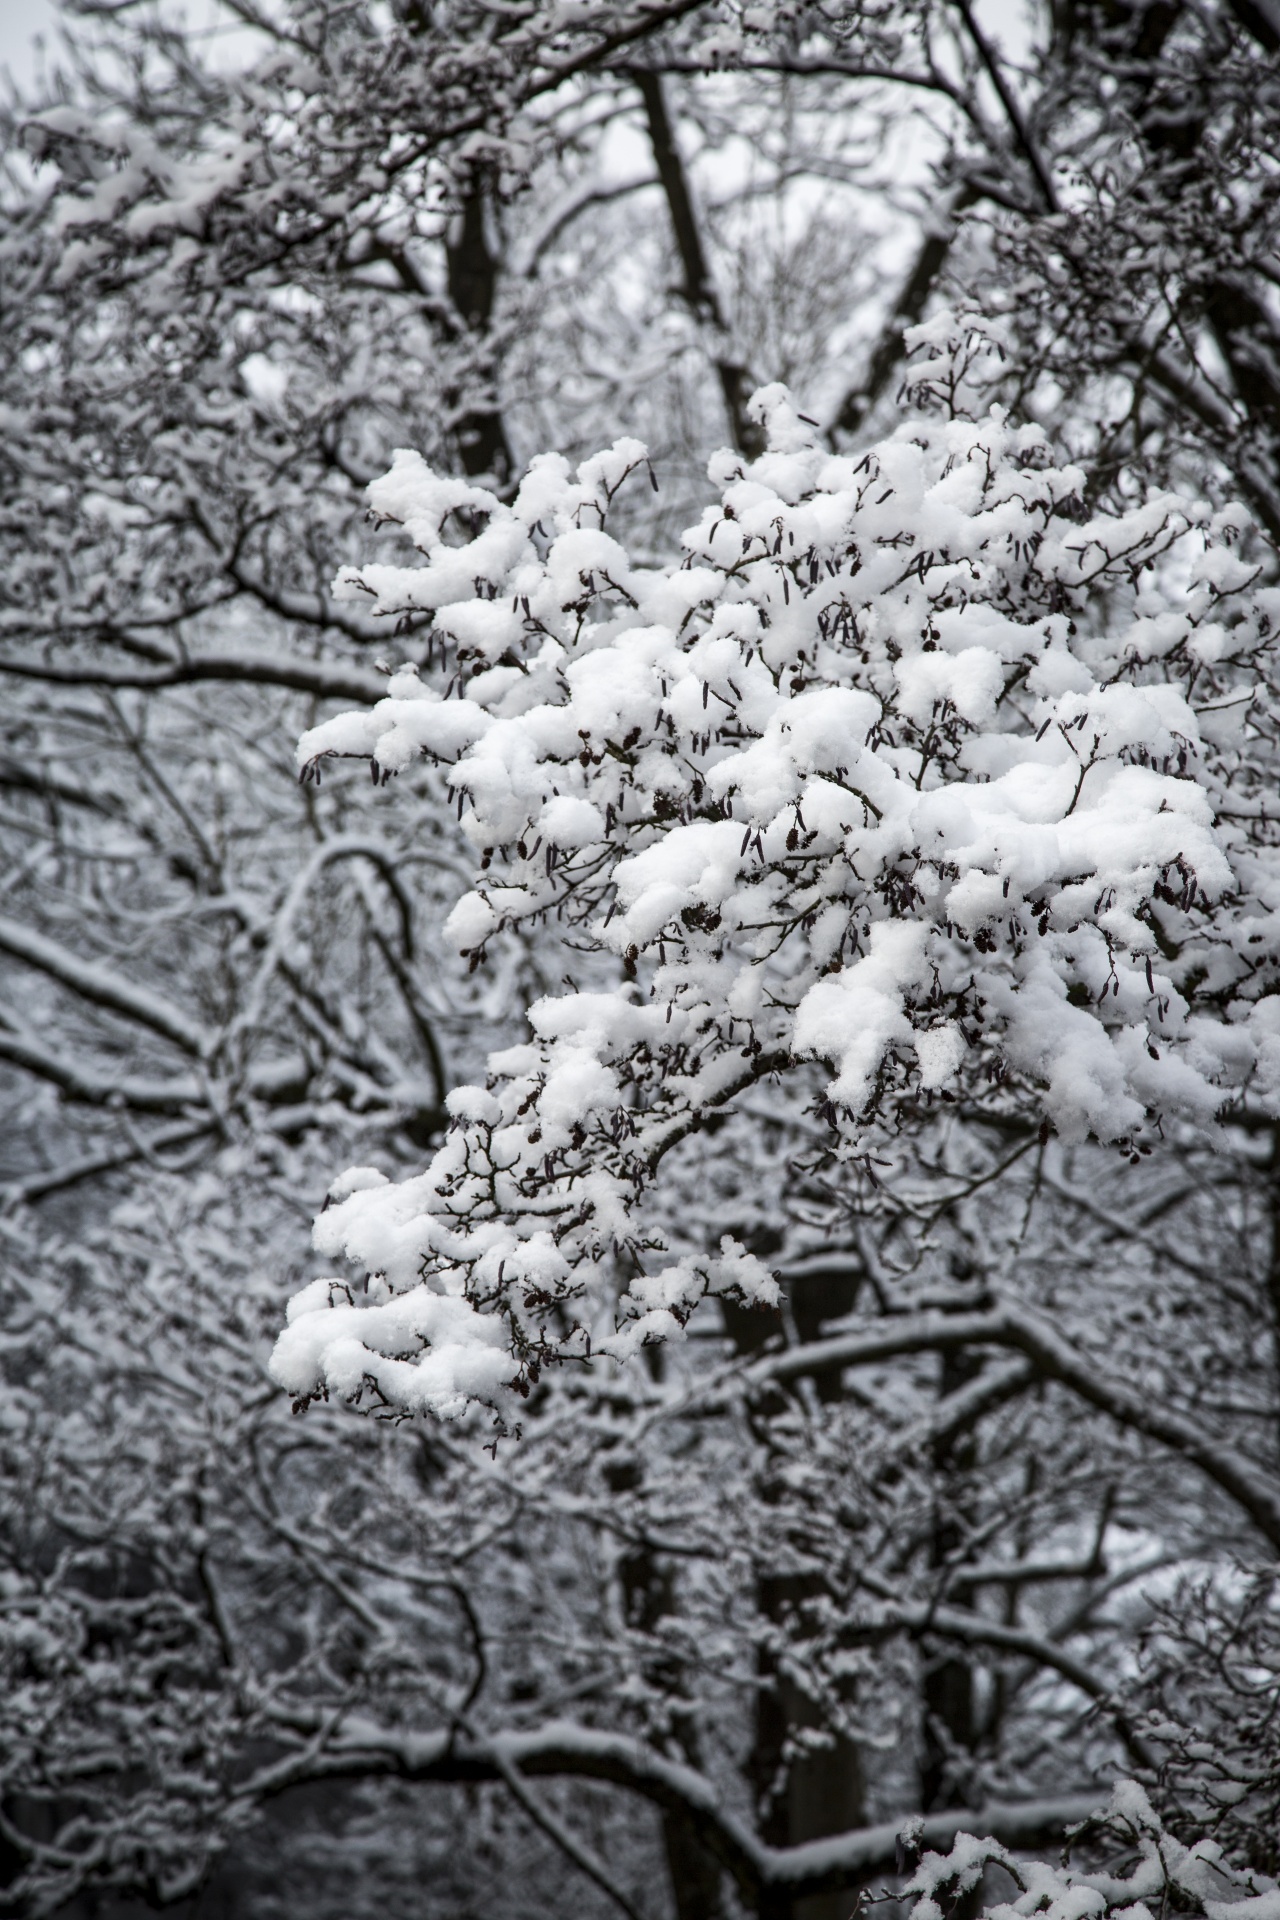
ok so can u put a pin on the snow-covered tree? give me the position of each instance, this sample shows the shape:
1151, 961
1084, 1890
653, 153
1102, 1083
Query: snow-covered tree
983, 1510
974, 808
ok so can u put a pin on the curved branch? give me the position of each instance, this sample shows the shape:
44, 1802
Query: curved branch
48, 782
341, 847
958, 1412
1254, 1491
93, 982
39, 1186
359, 1748
307, 609
97, 1089
274, 1081
953, 1623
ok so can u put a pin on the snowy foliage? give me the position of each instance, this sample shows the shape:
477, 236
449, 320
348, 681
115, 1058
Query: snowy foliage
1149, 1871
1211, 1690
912, 766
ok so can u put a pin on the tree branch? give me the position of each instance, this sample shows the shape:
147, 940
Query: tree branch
699, 287
907, 309
98, 984
359, 1748
97, 1089
1013, 112
299, 676
971, 1629
38, 1186
560, 1835
1256, 1493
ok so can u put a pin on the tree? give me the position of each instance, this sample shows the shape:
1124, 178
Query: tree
444, 1251
893, 1543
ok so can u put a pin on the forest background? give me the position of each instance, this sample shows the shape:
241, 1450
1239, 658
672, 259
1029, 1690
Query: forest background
983, 1514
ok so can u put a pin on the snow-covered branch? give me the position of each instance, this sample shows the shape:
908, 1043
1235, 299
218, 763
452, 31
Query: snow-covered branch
325, 679
901, 781
566, 1750
1054, 1357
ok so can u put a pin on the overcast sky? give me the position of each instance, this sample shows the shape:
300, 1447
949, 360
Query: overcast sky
20, 22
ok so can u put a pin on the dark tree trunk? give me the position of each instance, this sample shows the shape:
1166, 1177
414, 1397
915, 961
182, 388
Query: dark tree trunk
699, 287
472, 267
949, 1715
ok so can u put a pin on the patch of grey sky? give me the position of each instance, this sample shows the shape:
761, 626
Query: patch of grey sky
23, 23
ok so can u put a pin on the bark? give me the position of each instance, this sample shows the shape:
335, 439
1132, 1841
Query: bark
647, 1596
811, 1794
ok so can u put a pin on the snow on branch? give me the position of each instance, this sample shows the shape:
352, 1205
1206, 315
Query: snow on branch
910, 776
1163, 1875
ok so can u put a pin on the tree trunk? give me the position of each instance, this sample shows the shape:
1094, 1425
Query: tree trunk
948, 1707
472, 268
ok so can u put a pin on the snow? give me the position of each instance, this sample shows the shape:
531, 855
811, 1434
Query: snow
853, 1019
1161, 1870
897, 768
940, 1051
566, 822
